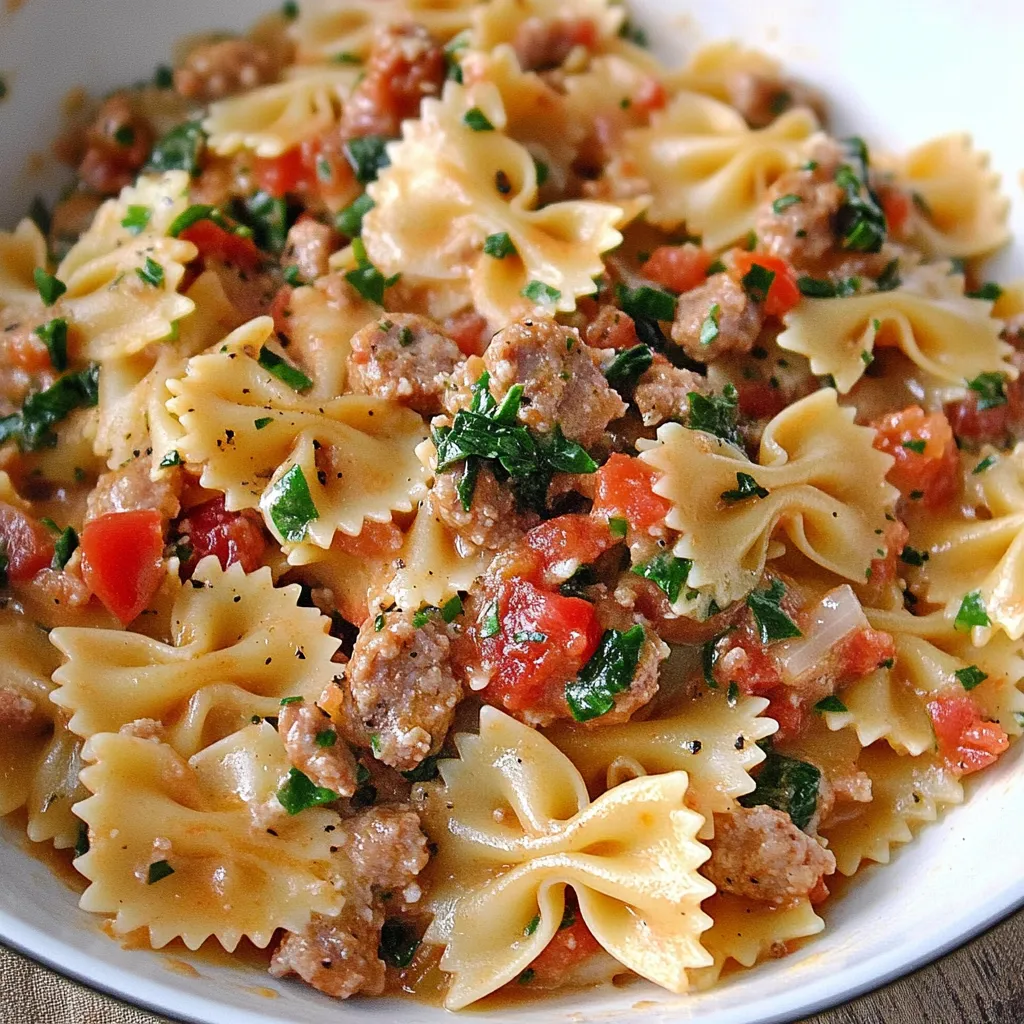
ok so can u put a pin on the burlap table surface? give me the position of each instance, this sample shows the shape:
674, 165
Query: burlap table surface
982, 983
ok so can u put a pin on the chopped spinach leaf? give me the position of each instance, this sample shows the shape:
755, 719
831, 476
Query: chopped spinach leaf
831, 703
609, 671
326, 738
476, 119
911, 556
709, 329
500, 245
64, 547
860, 221
970, 677
646, 302
715, 414
989, 291
788, 785
54, 336
179, 150
451, 609
746, 487
773, 623
349, 221
49, 287
667, 572
757, 282
628, 366
299, 793
367, 156
366, 278
890, 278
290, 505
41, 411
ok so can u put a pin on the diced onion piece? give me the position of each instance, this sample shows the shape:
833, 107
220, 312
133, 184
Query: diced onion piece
836, 616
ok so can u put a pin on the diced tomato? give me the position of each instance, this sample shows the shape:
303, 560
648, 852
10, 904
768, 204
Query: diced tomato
279, 309
787, 707
231, 536
884, 569
862, 652
122, 560
374, 541
579, 32
966, 741
896, 207
217, 243
651, 95
556, 637
569, 946
925, 452
678, 267
783, 293
624, 491
25, 350
611, 328
567, 542
292, 171
758, 400
26, 542
470, 331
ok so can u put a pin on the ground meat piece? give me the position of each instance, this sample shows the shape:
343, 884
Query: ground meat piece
611, 328
316, 749
212, 71
381, 850
145, 729
661, 391
404, 358
803, 232
405, 64
542, 45
310, 244
562, 379
492, 521
118, 143
129, 488
19, 713
763, 98
403, 687
738, 317
759, 853
70, 217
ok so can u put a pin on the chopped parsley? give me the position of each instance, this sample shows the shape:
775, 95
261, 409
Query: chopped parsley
263, 421
179, 150
788, 785
289, 10
366, 278
292, 275
172, 458
424, 771
746, 487
398, 943
349, 221
609, 671
831, 703
451, 609
50, 288
269, 219
576, 585
718, 267
783, 203
151, 273
709, 329
290, 505
367, 156
538, 291
158, 871
299, 793
971, 613
986, 463
532, 926
542, 170
499, 245
990, 388
421, 617
326, 738
618, 527
989, 291
64, 547
136, 219
41, 411
526, 976
773, 623
54, 335
628, 366
860, 221
917, 446
821, 288
283, 370
82, 843
715, 414
911, 556
646, 302
476, 119
970, 677
667, 572
490, 621
286, 701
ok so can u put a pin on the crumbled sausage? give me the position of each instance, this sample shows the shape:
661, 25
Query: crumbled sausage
492, 521
403, 688
561, 377
661, 391
405, 358
803, 233
762, 98
145, 729
405, 65
19, 713
542, 45
214, 70
129, 488
316, 749
759, 853
118, 143
381, 850
309, 247
724, 301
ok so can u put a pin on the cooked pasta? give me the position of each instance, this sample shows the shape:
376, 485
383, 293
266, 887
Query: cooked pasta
484, 513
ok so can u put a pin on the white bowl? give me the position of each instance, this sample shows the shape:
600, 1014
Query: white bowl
897, 73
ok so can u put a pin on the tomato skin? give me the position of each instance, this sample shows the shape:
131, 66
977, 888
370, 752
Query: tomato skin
678, 267
279, 175
122, 560
896, 207
783, 294
231, 536
568, 947
930, 474
470, 331
966, 741
758, 400
27, 543
214, 242
862, 652
624, 491
528, 674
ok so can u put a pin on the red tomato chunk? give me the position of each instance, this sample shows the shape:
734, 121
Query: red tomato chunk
966, 741
27, 544
231, 536
624, 490
925, 452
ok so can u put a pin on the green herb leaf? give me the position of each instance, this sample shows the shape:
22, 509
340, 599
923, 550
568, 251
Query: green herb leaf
136, 219
542, 170
367, 155
718, 267
158, 871
263, 421
451, 609
783, 203
490, 623
757, 281
911, 556
290, 505
746, 487
990, 388
816, 288
526, 976
82, 843
576, 584
269, 219
50, 288
151, 272
299, 793
890, 277
64, 547
788, 785
476, 119
422, 616
831, 703
609, 671
628, 366
350, 220
500, 245
860, 221
972, 613
773, 623
715, 414
425, 770
986, 463
709, 329
179, 150
617, 527
970, 677
398, 943
918, 446
290, 10
538, 291
54, 336
667, 572
652, 303
366, 278
989, 291
326, 738
172, 458
283, 370
41, 411
532, 926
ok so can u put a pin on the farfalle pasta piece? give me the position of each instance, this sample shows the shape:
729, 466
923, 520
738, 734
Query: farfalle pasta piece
450, 186
237, 647
826, 492
711, 69
328, 29
748, 932
206, 849
513, 822
248, 430
958, 209
21, 251
710, 738
274, 118
930, 319
708, 170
